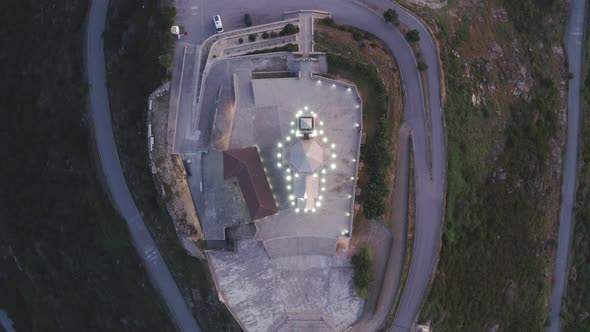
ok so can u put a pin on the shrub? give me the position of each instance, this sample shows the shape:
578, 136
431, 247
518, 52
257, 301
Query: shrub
378, 161
357, 35
248, 20
422, 66
328, 21
274, 34
413, 36
291, 47
240, 40
289, 29
391, 16
287, 48
265, 35
361, 263
252, 37
165, 60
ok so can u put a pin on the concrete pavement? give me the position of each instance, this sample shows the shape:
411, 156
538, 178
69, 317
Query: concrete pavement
113, 174
574, 44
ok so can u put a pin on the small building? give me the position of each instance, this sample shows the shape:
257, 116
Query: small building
245, 165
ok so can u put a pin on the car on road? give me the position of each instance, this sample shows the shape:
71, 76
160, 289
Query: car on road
218, 24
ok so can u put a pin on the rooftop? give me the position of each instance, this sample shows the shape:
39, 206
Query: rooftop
245, 165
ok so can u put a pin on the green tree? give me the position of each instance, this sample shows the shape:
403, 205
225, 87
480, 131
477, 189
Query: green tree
413, 36
248, 20
422, 66
289, 29
252, 37
391, 16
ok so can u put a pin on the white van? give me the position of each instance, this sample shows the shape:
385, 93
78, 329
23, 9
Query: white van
218, 24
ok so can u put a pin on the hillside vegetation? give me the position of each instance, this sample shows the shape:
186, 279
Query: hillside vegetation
504, 111
66, 261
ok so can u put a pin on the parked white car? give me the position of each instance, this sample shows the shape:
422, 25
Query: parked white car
218, 24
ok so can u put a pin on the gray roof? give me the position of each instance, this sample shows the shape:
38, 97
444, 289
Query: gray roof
306, 156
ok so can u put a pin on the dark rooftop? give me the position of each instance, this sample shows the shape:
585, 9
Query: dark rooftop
245, 165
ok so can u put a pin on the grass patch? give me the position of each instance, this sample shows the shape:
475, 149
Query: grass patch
136, 37
66, 259
576, 304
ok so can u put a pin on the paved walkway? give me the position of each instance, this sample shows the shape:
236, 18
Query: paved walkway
306, 33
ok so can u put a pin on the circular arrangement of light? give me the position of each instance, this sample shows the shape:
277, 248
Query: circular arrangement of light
282, 152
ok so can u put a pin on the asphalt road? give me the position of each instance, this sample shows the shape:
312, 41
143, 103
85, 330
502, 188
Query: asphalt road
574, 44
429, 148
113, 174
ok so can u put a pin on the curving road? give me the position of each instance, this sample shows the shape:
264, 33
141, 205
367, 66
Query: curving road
113, 174
574, 44
429, 148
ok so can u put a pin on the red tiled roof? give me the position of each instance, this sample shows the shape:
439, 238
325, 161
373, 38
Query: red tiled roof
245, 165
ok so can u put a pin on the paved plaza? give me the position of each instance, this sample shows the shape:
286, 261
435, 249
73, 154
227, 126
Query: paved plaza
284, 293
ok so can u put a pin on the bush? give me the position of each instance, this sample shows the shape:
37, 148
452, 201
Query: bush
274, 34
248, 20
265, 35
287, 48
252, 37
361, 263
289, 29
328, 21
291, 47
378, 162
357, 35
413, 36
165, 60
391, 16
240, 40
422, 66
